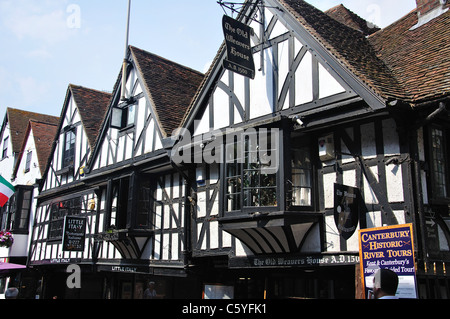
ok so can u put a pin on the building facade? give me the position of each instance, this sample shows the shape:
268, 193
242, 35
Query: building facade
225, 184
26, 142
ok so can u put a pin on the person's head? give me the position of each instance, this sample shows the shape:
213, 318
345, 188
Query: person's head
385, 283
12, 293
151, 284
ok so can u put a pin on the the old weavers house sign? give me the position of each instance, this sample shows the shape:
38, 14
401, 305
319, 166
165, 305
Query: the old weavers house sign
239, 50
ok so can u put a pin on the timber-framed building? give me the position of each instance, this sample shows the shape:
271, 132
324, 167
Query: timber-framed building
248, 211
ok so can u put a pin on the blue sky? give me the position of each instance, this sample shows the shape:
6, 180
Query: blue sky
47, 44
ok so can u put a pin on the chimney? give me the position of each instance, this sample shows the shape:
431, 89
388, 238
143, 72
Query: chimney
425, 6
427, 10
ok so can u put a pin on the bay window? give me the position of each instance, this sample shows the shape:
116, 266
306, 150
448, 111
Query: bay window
251, 170
16, 213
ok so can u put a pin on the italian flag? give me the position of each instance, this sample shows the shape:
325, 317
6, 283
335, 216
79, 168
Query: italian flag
6, 191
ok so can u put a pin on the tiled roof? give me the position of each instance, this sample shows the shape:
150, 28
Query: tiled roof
18, 124
352, 20
419, 58
349, 46
44, 135
92, 106
171, 87
395, 62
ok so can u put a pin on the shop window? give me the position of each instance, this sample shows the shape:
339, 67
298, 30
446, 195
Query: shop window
69, 148
16, 213
252, 170
58, 211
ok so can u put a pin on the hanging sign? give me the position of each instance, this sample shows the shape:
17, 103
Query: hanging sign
389, 247
239, 50
346, 210
74, 234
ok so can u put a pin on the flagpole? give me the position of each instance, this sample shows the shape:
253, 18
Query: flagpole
125, 62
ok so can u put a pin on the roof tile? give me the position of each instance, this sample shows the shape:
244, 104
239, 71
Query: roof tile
92, 106
419, 58
171, 87
18, 123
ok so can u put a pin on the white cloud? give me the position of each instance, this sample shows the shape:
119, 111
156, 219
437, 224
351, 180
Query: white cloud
41, 53
380, 12
32, 90
43, 20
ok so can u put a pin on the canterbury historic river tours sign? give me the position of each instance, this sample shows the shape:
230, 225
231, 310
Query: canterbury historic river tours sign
389, 247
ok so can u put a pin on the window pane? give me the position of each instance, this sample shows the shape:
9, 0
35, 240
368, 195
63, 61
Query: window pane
301, 176
233, 177
58, 212
5, 148
439, 168
28, 162
143, 206
131, 114
69, 148
116, 118
24, 214
260, 178
251, 170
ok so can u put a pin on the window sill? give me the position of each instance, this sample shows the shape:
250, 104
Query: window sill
65, 170
123, 131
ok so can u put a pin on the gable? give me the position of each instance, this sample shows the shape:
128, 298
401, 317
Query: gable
72, 146
130, 128
38, 140
158, 93
293, 75
22, 175
18, 123
170, 87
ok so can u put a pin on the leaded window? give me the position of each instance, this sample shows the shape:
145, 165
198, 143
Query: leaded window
59, 210
251, 169
69, 148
